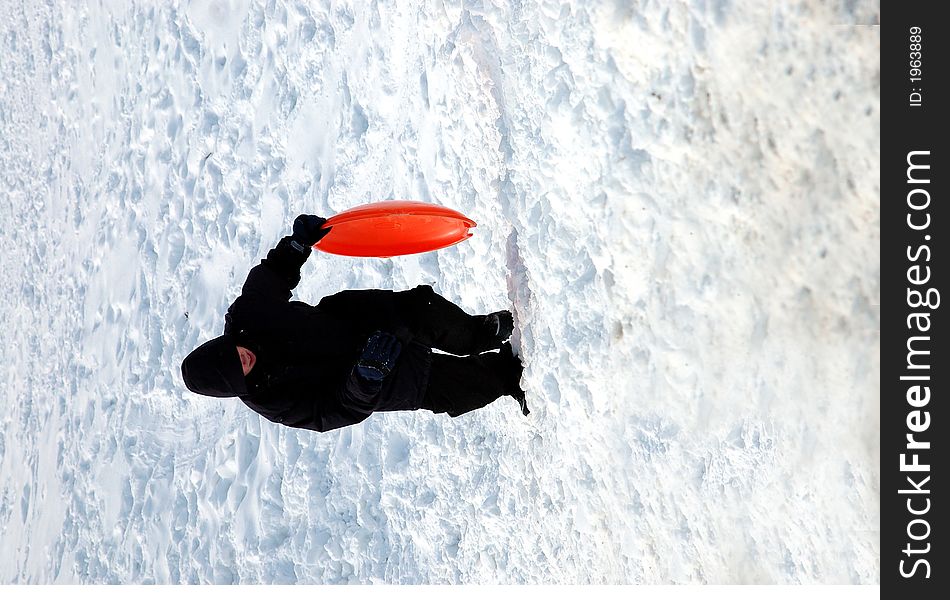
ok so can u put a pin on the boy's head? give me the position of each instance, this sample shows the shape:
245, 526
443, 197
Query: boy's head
217, 368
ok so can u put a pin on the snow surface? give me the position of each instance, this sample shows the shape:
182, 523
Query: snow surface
678, 199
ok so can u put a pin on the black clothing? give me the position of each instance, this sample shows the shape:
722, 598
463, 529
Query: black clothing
304, 373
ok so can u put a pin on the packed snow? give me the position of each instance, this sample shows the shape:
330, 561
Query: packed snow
678, 201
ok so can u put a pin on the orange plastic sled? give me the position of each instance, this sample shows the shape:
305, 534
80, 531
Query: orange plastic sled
394, 228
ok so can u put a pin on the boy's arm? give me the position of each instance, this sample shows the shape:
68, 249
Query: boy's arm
279, 272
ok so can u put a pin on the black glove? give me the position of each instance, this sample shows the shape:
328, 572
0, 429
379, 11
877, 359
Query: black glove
307, 230
379, 356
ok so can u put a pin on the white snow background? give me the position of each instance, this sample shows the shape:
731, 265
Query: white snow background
678, 200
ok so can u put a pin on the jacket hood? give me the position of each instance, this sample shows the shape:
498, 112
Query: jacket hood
214, 369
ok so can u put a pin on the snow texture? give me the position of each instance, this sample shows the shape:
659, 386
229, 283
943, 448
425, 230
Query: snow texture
678, 200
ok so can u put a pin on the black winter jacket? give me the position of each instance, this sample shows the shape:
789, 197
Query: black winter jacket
303, 376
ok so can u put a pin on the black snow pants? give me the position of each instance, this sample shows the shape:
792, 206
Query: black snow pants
476, 376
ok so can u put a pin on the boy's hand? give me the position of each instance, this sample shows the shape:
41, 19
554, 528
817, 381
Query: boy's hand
307, 230
379, 356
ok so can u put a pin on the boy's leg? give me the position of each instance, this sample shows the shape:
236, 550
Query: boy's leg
458, 385
445, 326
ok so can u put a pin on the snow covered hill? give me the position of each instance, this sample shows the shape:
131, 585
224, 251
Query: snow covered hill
678, 199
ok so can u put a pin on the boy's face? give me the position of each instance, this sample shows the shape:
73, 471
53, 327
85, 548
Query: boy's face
247, 359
